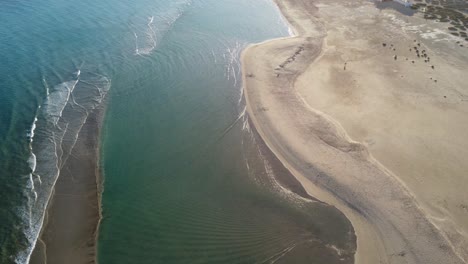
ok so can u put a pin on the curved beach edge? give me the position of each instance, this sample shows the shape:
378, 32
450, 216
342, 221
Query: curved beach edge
390, 226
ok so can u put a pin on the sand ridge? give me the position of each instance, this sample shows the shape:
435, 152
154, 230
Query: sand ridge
70, 231
392, 223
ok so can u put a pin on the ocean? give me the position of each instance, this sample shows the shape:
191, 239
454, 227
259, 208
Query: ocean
186, 179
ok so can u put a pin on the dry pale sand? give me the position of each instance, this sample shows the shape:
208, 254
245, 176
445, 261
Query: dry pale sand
377, 137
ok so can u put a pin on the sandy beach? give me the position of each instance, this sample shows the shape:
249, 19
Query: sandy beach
369, 125
70, 230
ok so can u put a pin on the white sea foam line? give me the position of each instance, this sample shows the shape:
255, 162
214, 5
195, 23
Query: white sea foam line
245, 120
151, 34
150, 41
32, 162
33, 189
64, 157
288, 194
242, 113
74, 101
46, 86
60, 139
229, 67
233, 71
284, 252
38, 178
276, 256
136, 44
34, 228
56, 95
169, 20
247, 125
241, 96
73, 98
76, 134
33, 232
338, 251
231, 57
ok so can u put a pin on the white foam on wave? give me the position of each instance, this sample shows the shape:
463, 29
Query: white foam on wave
245, 119
150, 40
233, 61
283, 191
51, 110
271, 179
30, 133
32, 197
49, 157
232, 65
241, 96
102, 87
33, 189
32, 161
58, 99
46, 86
147, 37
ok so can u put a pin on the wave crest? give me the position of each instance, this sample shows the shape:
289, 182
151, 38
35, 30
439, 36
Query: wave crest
55, 131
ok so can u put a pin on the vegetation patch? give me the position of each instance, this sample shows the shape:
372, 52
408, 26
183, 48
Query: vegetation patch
453, 12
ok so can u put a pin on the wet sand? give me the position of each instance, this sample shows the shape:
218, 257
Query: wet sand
373, 134
70, 230
337, 226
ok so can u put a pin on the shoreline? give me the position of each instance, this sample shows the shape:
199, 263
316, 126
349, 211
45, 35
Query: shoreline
345, 249
389, 223
79, 186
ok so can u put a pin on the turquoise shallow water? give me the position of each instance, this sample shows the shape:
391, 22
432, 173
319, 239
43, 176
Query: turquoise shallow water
186, 179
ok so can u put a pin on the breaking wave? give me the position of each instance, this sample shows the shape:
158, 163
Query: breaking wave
53, 135
233, 65
149, 32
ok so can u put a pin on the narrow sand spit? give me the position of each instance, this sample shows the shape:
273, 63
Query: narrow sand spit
69, 234
335, 80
